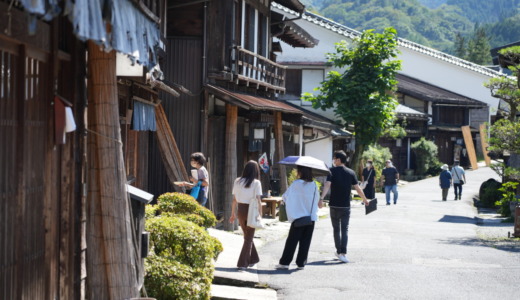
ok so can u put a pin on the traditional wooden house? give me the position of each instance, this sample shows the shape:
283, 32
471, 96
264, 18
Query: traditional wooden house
461, 83
223, 52
64, 209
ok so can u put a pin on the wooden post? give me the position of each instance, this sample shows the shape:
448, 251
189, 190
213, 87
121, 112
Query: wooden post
468, 140
111, 255
484, 143
230, 162
279, 153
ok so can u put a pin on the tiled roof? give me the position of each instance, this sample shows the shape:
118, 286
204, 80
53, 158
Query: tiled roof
351, 33
425, 91
250, 101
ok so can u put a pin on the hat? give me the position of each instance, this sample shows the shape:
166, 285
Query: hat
444, 167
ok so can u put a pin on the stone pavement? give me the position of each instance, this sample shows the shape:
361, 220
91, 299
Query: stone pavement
491, 232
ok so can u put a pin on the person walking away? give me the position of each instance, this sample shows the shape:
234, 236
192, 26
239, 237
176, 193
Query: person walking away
197, 161
340, 182
247, 188
368, 175
459, 178
445, 181
301, 200
390, 178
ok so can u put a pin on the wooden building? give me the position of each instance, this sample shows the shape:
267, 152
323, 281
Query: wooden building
223, 52
447, 112
56, 187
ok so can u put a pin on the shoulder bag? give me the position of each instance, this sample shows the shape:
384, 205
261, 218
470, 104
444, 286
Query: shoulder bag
461, 181
306, 221
364, 184
254, 220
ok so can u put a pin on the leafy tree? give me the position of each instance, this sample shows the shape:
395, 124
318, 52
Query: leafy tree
425, 155
507, 88
478, 47
362, 95
460, 46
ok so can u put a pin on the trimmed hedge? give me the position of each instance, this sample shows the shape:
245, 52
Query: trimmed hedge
184, 204
180, 265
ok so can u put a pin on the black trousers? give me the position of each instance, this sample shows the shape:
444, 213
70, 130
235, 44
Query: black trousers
297, 235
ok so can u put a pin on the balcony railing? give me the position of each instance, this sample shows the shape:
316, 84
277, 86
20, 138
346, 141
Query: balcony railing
255, 70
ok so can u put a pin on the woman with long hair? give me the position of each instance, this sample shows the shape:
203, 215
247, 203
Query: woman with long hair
247, 188
301, 200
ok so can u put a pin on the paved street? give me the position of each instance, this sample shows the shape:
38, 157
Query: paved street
421, 248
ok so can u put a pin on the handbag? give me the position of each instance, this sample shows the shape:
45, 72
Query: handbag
254, 220
282, 213
306, 221
364, 184
195, 190
461, 181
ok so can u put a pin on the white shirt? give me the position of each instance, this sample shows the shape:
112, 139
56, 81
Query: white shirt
243, 194
456, 174
299, 198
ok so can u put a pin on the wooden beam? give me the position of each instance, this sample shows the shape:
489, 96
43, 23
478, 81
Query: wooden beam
279, 153
170, 153
468, 140
230, 162
484, 143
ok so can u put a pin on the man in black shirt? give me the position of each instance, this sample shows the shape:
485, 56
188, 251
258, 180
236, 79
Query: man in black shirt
391, 178
340, 183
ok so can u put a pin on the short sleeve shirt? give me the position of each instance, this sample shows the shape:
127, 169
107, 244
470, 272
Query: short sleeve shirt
202, 173
243, 194
456, 173
341, 181
390, 175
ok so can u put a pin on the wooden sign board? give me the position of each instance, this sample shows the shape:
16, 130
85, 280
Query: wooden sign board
468, 140
484, 143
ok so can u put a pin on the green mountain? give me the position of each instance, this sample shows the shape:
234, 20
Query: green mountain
433, 23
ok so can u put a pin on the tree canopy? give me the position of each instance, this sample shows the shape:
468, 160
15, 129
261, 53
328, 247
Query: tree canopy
363, 94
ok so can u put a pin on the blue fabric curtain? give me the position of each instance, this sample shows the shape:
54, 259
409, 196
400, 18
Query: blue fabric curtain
132, 32
143, 117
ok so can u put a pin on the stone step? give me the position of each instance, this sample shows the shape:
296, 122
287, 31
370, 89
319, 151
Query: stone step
219, 292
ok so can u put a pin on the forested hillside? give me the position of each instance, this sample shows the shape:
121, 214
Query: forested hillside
433, 23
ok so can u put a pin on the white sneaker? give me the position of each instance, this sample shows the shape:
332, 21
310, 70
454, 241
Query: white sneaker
281, 267
343, 258
337, 255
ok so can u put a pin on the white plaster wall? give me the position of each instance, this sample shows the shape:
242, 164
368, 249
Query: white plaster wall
447, 75
414, 64
321, 149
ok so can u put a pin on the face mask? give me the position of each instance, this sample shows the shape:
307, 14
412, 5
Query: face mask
368, 165
333, 164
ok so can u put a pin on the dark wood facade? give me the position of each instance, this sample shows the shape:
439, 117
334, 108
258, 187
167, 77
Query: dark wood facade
226, 44
41, 204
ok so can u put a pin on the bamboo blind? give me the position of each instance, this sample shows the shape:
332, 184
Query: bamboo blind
111, 270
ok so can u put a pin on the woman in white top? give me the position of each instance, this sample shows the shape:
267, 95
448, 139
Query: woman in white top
301, 199
245, 189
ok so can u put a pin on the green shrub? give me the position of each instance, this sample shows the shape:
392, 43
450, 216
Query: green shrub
178, 245
489, 193
184, 204
180, 265
169, 279
378, 155
425, 156
508, 191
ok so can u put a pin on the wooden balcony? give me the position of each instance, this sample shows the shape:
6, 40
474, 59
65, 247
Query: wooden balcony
253, 70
